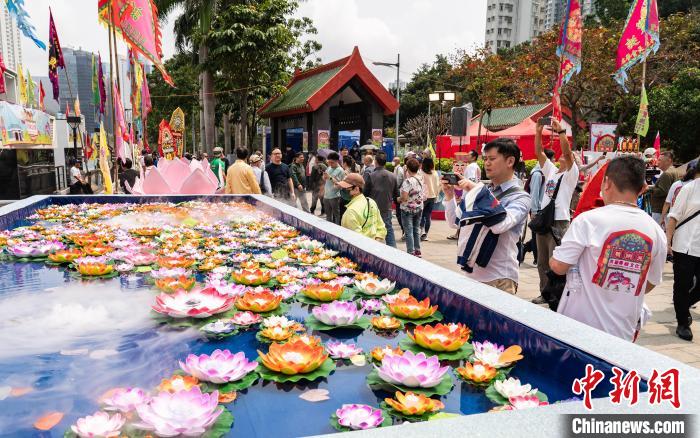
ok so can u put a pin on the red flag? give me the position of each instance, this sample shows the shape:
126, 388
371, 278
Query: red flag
88, 147
2, 75
67, 110
590, 197
657, 144
42, 94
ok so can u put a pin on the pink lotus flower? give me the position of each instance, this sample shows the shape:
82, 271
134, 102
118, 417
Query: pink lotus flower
99, 424
359, 417
35, 249
226, 288
372, 305
246, 318
287, 292
338, 313
142, 259
198, 303
412, 370
170, 273
186, 413
524, 402
220, 367
339, 350
126, 399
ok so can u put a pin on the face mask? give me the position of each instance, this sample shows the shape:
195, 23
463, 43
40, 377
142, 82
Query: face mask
345, 194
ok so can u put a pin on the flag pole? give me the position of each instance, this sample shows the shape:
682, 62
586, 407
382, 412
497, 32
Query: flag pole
112, 50
644, 80
118, 96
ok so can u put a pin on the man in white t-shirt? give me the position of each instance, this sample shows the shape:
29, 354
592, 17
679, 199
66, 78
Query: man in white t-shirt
612, 256
472, 172
566, 177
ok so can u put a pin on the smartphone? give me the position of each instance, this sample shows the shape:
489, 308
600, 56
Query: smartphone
545, 121
451, 178
605, 153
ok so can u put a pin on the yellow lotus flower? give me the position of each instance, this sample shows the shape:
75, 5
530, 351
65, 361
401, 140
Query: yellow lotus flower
441, 337
477, 372
85, 239
309, 340
94, 269
65, 255
251, 277
414, 404
378, 353
175, 262
178, 383
250, 264
172, 284
386, 323
258, 302
277, 333
284, 278
294, 357
325, 292
209, 264
410, 308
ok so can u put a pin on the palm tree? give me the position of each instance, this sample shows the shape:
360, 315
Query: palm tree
191, 28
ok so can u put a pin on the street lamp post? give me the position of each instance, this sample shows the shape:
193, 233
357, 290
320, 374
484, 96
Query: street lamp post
397, 64
74, 122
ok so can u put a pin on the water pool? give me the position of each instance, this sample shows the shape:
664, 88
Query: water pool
72, 340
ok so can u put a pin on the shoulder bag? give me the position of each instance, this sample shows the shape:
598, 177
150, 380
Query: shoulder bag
543, 220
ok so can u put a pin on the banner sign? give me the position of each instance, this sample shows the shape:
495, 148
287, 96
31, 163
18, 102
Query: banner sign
166, 142
377, 137
603, 137
20, 126
177, 126
324, 138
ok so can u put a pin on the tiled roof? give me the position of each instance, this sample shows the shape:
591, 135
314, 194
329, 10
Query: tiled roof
501, 118
297, 95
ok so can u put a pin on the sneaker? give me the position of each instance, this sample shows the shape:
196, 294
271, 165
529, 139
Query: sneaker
539, 300
423, 237
417, 254
684, 332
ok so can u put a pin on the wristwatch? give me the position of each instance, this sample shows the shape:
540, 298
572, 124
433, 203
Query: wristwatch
563, 131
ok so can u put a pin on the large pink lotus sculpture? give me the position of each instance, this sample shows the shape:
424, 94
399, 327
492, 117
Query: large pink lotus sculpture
199, 303
176, 177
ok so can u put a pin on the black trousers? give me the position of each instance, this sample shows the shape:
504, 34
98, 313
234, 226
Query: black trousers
686, 285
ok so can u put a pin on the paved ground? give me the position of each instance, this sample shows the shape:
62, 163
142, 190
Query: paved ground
658, 334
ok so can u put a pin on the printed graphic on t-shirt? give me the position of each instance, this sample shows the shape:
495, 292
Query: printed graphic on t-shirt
624, 262
550, 187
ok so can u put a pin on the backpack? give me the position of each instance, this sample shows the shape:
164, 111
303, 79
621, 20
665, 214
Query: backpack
527, 183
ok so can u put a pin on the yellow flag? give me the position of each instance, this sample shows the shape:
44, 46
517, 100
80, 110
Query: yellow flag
76, 106
22, 86
104, 160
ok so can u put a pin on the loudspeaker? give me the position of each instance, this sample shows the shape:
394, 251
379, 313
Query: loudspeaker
461, 116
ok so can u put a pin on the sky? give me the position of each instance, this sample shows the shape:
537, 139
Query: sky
417, 29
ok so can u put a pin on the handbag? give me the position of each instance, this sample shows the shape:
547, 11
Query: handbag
543, 220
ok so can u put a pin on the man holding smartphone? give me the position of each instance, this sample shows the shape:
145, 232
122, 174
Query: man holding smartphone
501, 156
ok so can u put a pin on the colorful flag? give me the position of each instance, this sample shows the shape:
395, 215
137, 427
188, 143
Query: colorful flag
569, 51
76, 106
31, 98
95, 86
145, 100
104, 160
55, 56
639, 39
2, 74
121, 126
657, 144
16, 9
137, 22
101, 84
67, 110
22, 86
642, 125
42, 95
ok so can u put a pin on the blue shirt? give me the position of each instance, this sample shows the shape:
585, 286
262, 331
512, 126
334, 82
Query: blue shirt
536, 188
331, 191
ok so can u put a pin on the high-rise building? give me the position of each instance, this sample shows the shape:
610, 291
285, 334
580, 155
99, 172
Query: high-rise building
512, 22
10, 43
556, 10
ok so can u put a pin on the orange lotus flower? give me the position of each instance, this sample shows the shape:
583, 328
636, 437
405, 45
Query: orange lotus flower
65, 255
146, 231
386, 323
258, 301
251, 277
276, 264
287, 234
3, 241
284, 279
294, 357
309, 340
325, 292
308, 259
277, 333
178, 383
175, 262
365, 276
378, 353
172, 284
477, 372
209, 264
410, 308
93, 269
413, 404
345, 262
326, 275
441, 337
85, 239
250, 264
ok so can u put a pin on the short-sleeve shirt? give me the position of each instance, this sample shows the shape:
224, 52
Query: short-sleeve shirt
673, 191
473, 172
566, 190
331, 191
279, 179
612, 262
74, 175
686, 239
414, 187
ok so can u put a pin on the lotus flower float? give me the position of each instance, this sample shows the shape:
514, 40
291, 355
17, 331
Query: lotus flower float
477, 372
186, 413
441, 337
410, 308
65, 255
294, 357
413, 404
372, 305
219, 367
170, 272
126, 399
524, 402
374, 286
172, 284
325, 292
258, 301
359, 417
338, 313
97, 250
174, 262
339, 350
496, 355
146, 231
35, 249
142, 259
251, 277
218, 328
326, 275
85, 239
379, 353
311, 341
176, 177
511, 387
199, 303
277, 333
178, 383
246, 318
93, 266
385, 323
412, 370
99, 424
